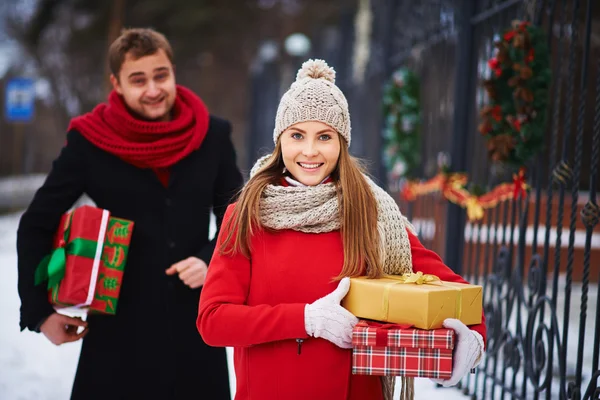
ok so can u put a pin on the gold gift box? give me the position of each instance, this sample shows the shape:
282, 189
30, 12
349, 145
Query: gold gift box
423, 306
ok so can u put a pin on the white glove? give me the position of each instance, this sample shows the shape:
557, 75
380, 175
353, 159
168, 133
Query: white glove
326, 319
468, 351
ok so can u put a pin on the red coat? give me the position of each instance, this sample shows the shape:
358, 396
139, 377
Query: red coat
257, 306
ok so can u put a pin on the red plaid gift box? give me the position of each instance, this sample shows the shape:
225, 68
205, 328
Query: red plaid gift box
397, 350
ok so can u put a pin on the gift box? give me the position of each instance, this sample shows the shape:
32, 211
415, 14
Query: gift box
85, 269
397, 350
422, 301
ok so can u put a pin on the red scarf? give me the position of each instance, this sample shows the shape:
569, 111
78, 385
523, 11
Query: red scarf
146, 144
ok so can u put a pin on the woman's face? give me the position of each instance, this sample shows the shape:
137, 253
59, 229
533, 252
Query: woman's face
310, 151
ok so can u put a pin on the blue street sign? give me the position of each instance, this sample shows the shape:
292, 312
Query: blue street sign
20, 100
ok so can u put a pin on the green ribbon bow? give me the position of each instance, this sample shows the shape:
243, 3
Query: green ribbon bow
52, 267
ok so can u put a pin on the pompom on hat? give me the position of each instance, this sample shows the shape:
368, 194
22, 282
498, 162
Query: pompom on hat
314, 97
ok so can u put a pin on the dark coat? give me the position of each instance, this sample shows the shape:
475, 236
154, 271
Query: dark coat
151, 348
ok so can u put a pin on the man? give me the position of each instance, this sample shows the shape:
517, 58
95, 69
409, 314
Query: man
153, 155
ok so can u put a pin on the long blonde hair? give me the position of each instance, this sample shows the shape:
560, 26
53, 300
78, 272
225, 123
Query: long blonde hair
358, 213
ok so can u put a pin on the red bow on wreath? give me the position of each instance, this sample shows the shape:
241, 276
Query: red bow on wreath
520, 186
495, 66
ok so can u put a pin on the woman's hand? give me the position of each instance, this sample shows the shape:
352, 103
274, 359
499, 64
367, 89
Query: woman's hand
327, 319
468, 351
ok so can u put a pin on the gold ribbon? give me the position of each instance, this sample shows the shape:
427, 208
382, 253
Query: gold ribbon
416, 278
474, 209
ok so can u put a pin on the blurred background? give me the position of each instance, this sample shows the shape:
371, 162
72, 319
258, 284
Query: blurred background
537, 257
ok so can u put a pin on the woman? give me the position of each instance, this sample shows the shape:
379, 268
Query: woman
307, 220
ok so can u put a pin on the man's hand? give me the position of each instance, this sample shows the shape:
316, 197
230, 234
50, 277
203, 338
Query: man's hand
192, 271
61, 329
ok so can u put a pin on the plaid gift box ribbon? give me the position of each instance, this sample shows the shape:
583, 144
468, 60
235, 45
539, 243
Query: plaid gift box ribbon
399, 350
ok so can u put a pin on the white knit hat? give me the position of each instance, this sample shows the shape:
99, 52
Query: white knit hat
314, 97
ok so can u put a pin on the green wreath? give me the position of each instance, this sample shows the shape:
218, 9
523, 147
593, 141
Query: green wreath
514, 120
402, 121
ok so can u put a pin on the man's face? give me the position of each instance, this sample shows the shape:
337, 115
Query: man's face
147, 85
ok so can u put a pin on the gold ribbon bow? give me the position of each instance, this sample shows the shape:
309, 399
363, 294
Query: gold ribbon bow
474, 209
416, 278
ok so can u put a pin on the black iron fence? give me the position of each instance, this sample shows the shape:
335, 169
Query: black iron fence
538, 257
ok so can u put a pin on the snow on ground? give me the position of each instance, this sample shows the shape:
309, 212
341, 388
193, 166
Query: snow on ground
31, 368
17, 191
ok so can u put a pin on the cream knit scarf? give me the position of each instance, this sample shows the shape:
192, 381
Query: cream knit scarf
315, 209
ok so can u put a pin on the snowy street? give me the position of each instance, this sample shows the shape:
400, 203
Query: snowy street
31, 368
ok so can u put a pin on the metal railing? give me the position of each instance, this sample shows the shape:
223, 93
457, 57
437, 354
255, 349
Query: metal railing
537, 257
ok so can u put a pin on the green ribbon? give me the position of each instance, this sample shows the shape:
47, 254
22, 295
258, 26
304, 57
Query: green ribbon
52, 267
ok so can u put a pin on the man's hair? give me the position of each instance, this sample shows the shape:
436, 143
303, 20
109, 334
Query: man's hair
138, 42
